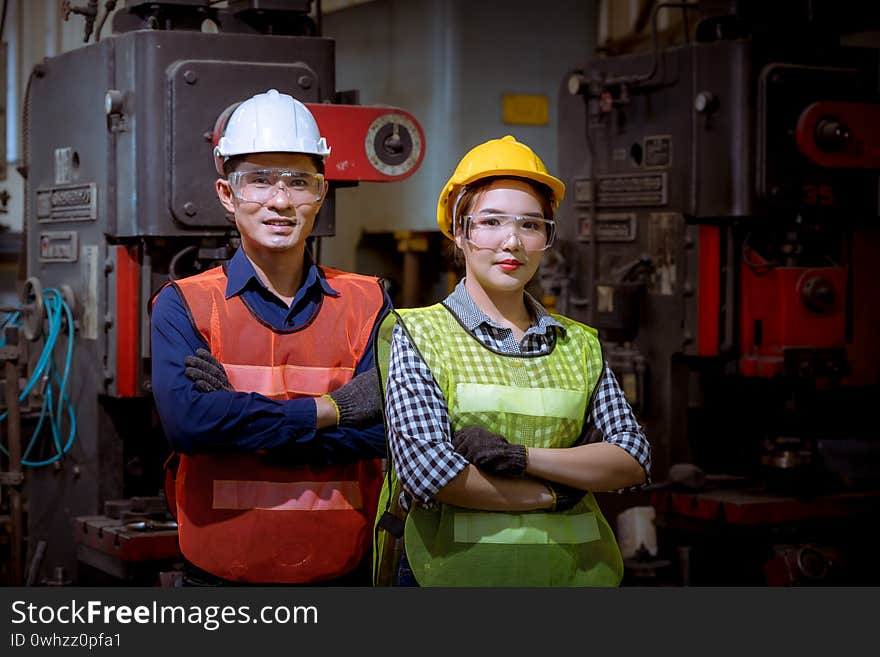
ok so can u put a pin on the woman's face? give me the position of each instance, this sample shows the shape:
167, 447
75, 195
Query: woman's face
502, 260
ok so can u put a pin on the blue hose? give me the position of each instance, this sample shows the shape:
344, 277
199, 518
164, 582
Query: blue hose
46, 370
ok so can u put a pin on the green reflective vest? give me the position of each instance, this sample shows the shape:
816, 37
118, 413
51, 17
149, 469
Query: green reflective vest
537, 401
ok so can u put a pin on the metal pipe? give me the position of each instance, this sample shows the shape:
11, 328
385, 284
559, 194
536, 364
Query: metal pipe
13, 422
36, 562
655, 50
410, 279
109, 7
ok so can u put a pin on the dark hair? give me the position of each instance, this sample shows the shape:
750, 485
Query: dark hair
230, 165
471, 192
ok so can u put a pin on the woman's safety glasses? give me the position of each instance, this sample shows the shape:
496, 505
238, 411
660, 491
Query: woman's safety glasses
261, 186
490, 231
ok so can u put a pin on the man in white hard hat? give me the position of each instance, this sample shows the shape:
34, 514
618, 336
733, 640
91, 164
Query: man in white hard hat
263, 375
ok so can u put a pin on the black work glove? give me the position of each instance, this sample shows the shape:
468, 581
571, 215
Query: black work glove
564, 497
489, 451
207, 372
358, 400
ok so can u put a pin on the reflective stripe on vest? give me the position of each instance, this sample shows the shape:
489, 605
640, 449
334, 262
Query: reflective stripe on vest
543, 402
245, 517
543, 528
286, 381
286, 496
536, 401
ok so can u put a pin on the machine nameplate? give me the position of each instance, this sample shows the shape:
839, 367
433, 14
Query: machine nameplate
624, 190
59, 246
67, 203
610, 227
657, 152
583, 191
637, 189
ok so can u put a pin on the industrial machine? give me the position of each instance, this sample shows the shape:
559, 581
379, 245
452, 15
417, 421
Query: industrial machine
721, 232
119, 199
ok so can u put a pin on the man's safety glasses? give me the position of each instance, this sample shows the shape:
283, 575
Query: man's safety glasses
261, 186
490, 231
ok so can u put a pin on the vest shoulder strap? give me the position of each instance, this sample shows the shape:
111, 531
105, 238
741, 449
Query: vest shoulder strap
415, 322
570, 324
333, 276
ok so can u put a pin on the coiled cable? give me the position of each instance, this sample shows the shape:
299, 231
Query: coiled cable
46, 372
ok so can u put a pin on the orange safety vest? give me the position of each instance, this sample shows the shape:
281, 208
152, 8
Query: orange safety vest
242, 517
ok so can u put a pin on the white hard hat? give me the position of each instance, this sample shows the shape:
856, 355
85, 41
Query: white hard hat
270, 122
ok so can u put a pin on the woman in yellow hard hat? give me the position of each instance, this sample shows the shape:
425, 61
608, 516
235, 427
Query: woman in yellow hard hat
489, 399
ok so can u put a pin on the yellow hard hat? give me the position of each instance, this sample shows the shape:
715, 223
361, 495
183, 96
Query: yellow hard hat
496, 157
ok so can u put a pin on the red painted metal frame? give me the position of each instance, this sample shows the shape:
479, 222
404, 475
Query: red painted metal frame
862, 149
774, 298
345, 128
740, 507
127, 320
112, 537
709, 286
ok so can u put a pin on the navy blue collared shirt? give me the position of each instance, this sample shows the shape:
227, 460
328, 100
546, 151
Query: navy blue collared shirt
197, 422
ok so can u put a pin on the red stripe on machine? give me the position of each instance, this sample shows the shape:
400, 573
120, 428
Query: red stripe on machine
127, 316
709, 299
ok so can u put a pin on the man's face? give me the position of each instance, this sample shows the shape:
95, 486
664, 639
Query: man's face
278, 225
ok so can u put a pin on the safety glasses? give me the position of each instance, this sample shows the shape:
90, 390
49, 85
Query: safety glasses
491, 231
301, 187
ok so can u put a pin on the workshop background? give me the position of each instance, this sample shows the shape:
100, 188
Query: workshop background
720, 230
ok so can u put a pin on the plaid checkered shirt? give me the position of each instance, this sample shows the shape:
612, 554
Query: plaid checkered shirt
417, 417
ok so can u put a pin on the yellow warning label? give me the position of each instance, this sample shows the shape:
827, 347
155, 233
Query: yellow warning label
525, 109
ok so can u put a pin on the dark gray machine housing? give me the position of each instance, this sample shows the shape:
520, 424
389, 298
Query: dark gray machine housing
120, 148
119, 154
659, 150
703, 143
137, 112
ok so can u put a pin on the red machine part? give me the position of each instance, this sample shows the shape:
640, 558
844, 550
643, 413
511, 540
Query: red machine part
799, 565
127, 320
788, 307
127, 541
840, 135
709, 294
757, 508
369, 143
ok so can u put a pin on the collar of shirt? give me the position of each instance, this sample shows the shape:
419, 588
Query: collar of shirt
470, 315
242, 277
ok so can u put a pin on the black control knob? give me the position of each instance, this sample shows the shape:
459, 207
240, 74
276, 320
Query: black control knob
394, 145
832, 136
818, 295
705, 102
